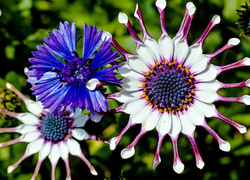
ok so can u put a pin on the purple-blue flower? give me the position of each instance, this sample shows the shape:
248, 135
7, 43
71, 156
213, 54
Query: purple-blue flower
63, 78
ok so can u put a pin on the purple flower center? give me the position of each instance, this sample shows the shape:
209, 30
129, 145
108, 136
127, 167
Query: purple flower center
168, 87
75, 71
55, 127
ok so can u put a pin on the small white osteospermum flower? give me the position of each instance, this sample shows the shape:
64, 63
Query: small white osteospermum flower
52, 135
172, 86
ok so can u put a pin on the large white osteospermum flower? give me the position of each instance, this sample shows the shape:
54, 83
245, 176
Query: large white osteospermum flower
172, 86
49, 134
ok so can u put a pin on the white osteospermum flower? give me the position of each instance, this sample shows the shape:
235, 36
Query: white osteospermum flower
52, 135
172, 86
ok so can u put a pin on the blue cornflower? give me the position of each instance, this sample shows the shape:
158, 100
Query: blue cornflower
73, 80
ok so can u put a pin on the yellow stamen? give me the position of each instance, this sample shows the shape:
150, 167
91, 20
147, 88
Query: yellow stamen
148, 73
158, 63
68, 136
191, 76
190, 99
186, 70
150, 104
160, 110
147, 98
189, 80
145, 89
192, 91
143, 84
144, 94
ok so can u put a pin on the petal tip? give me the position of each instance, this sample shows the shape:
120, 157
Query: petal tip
136, 9
106, 35
246, 61
200, 164
156, 163
92, 84
233, 41
10, 169
225, 146
246, 99
248, 83
122, 18
93, 172
112, 144
161, 4
242, 129
216, 19
178, 167
191, 8
127, 153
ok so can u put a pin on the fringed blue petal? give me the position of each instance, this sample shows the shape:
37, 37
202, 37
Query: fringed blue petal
104, 56
92, 41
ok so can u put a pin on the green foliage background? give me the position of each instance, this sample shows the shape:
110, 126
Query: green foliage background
24, 23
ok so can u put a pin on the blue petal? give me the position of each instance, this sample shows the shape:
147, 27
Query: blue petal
106, 75
70, 35
92, 40
104, 56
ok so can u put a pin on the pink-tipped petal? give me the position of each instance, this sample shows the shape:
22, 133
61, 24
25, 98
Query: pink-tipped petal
14, 141
37, 169
33, 106
242, 63
161, 5
199, 162
242, 129
157, 158
138, 16
123, 19
129, 151
231, 43
11, 168
223, 145
178, 166
215, 20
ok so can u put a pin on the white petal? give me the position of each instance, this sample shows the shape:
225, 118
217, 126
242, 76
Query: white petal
209, 74
208, 109
31, 136
187, 127
194, 52
225, 146
178, 167
106, 35
112, 143
122, 18
246, 99
164, 124
138, 65
213, 85
54, 154
80, 121
96, 117
200, 65
92, 84
35, 146
195, 115
125, 71
206, 96
152, 44
181, 50
78, 112
246, 61
23, 129
176, 126
34, 107
127, 153
125, 96
166, 47
151, 121
74, 147
28, 118
140, 113
131, 84
233, 41
146, 54
131, 106
200, 164
64, 150
161, 4
45, 150
80, 134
